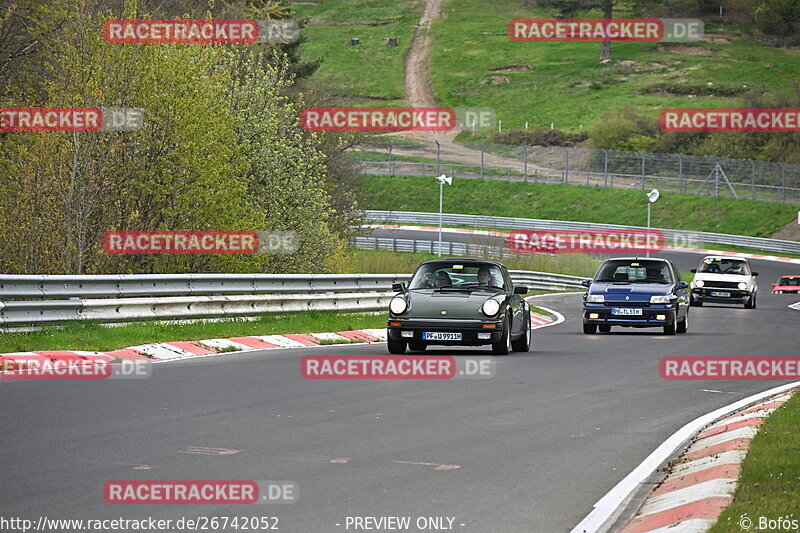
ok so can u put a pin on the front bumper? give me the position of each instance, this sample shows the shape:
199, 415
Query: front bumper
736, 295
469, 330
646, 320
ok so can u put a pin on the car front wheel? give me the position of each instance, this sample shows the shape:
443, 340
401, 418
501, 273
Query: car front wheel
751, 303
396, 346
683, 325
669, 329
503, 346
590, 329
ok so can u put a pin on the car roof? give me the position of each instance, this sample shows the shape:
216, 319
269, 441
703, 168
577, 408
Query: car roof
729, 258
663, 260
461, 260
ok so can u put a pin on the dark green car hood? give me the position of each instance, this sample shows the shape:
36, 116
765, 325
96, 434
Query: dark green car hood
456, 304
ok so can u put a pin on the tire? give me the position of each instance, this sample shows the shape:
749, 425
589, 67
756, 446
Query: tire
523, 343
669, 329
396, 347
694, 302
417, 346
503, 346
751, 303
683, 325
590, 329
604, 329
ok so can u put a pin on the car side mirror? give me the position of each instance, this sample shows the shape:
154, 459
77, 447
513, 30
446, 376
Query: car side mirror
399, 287
755, 273
520, 289
682, 285
586, 283
693, 271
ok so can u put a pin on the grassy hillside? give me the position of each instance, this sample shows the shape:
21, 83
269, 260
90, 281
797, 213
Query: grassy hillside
562, 83
370, 73
583, 204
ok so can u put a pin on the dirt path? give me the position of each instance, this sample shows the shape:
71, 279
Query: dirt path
418, 88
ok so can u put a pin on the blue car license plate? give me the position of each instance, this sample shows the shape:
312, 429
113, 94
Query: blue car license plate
626, 311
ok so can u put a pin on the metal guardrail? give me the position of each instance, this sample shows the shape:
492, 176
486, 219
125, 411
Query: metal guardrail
670, 235
24, 299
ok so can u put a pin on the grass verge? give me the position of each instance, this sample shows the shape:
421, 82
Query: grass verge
95, 337
770, 482
577, 203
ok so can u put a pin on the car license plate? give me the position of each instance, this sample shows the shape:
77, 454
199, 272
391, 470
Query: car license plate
441, 336
626, 311
720, 294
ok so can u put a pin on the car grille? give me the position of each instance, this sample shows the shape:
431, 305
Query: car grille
623, 303
721, 284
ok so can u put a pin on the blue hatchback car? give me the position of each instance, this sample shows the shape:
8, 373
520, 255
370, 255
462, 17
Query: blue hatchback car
636, 292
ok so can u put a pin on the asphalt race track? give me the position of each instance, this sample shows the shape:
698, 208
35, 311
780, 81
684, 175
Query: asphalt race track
535, 447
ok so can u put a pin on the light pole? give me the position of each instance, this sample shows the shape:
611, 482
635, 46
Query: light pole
441, 180
652, 196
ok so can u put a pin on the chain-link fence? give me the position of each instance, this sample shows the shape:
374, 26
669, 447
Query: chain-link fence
714, 176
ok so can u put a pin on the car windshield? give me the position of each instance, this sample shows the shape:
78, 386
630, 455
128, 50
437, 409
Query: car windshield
458, 276
635, 271
723, 265
790, 281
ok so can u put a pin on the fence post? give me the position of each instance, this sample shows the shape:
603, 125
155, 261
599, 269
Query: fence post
566, 165
753, 179
680, 174
394, 244
783, 182
641, 154
481, 160
526, 157
414, 245
391, 170
438, 160
605, 167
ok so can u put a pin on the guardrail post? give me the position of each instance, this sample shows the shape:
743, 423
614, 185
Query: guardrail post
525, 148
753, 179
605, 167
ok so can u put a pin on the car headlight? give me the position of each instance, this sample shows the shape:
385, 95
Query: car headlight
398, 305
743, 286
660, 299
699, 283
490, 307
596, 298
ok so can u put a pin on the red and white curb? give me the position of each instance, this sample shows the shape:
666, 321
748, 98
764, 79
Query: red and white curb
167, 351
701, 482
506, 234
184, 349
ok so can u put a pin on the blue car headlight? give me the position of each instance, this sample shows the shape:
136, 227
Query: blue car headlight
595, 298
660, 299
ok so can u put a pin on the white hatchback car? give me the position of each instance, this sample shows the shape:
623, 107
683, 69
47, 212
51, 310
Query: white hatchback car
728, 280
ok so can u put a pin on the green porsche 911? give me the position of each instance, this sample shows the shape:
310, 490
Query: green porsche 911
459, 301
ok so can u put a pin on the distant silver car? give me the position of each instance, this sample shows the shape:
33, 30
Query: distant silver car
727, 280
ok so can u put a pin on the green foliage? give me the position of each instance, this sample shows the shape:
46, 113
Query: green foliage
626, 131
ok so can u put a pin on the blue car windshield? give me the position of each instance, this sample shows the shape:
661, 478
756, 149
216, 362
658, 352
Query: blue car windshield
457, 276
635, 271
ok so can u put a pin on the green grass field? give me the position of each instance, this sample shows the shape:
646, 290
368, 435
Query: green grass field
371, 73
770, 482
559, 83
578, 203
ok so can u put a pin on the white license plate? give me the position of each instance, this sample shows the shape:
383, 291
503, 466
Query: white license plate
441, 336
626, 311
720, 294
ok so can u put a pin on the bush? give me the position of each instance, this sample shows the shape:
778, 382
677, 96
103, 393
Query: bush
540, 137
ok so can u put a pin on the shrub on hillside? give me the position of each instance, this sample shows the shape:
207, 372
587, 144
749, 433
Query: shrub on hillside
539, 137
